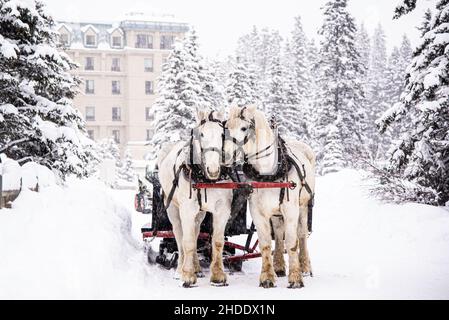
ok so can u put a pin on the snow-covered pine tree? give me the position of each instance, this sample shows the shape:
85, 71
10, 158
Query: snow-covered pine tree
398, 62
292, 115
312, 92
422, 155
126, 171
209, 96
180, 91
333, 153
275, 95
341, 92
271, 85
109, 150
239, 86
298, 51
406, 52
395, 77
363, 43
376, 95
37, 119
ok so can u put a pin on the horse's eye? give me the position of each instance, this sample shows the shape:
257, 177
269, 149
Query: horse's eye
244, 129
202, 135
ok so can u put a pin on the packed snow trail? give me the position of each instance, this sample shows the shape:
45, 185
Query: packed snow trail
83, 242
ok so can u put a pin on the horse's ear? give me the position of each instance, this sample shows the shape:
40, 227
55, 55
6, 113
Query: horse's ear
251, 111
234, 111
201, 114
220, 114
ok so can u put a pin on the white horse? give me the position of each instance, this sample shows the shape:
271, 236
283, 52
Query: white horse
188, 208
252, 133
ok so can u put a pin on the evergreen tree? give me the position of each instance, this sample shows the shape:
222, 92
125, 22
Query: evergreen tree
181, 93
109, 150
126, 171
422, 155
310, 109
293, 116
341, 92
298, 51
395, 77
377, 101
239, 85
274, 101
37, 119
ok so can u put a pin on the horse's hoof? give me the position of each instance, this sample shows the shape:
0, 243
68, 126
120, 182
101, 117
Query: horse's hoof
281, 273
188, 284
267, 284
295, 285
219, 283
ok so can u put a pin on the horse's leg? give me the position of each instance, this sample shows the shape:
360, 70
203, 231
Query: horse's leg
196, 260
173, 215
304, 258
291, 217
278, 256
188, 214
220, 219
267, 276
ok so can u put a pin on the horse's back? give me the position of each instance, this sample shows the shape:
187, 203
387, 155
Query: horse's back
303, 148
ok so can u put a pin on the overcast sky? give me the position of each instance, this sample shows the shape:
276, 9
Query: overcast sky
219, 23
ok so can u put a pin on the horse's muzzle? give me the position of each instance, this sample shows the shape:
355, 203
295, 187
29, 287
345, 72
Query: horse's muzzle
213, 175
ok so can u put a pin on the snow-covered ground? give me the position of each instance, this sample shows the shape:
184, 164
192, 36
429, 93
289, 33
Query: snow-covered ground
83, 241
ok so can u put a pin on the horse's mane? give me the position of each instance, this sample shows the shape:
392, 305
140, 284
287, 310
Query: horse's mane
165, 150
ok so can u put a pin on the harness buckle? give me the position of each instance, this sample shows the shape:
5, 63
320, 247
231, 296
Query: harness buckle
293, 185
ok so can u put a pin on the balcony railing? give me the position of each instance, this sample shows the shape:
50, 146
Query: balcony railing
140, 45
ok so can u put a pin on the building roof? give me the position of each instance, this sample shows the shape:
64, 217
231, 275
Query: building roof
131, 21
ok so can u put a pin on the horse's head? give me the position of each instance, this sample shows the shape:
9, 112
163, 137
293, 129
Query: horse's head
240, 133
209, 140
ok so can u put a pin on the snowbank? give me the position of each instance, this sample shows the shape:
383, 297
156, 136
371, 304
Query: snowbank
69, 242
29, 175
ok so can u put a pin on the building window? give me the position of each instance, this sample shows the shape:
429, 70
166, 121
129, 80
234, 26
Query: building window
148, 64
115, 64
89, 65
116, 41
116, 135
149, 87
64, 39
164, 62
90, 113
144, 41
167, 42
149, 134
90, 87
116, 114
149, 115
91, 134
115, 87
90, 40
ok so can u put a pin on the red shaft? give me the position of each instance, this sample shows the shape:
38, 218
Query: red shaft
239, 185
